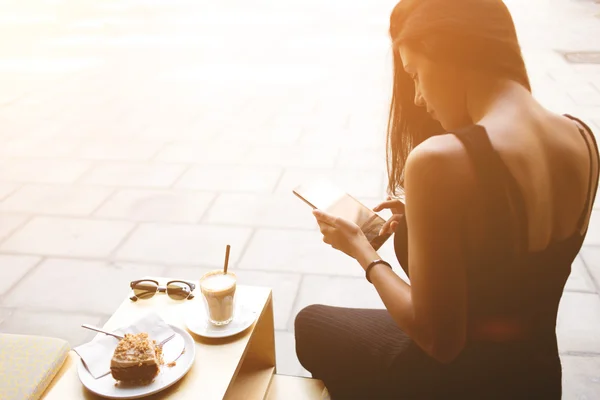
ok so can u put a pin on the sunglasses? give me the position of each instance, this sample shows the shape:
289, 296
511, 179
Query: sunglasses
146, 288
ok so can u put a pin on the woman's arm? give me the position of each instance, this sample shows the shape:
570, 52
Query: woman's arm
432, 310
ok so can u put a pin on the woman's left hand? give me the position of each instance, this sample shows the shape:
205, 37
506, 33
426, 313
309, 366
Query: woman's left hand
341, 234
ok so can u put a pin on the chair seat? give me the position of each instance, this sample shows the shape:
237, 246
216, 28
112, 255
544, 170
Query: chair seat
285, 387
28, 364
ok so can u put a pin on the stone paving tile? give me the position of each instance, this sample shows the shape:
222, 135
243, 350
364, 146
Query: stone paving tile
578, 323
296, 251
68, 237
188, 273
284, 286
596, 122
387, 252
581, 379
56, 199
580, 280
230, 179
335, 291
591, 258
304, 251
33, 146
202, 153
88, 129
283, 210
134, 174
350, 139
88, 287
287, 134
118, 150
156, 205
66, 326
370, 159
357, 182
593, 234
325, 134
165, 132
285, 353
13, 268
184, 244
42, 171
584, 94
9, 223
6, 189
367, 137
292, 156
585, 113
5, 313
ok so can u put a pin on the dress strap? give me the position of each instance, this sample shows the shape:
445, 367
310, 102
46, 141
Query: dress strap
592, 146
500, 189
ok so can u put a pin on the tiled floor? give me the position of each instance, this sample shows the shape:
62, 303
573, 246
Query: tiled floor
139, 137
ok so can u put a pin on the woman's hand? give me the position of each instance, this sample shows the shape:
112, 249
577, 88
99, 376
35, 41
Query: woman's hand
397, 208
342, 234
395, 205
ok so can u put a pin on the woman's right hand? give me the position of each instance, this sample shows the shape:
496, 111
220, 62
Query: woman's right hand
395, 205
397, 208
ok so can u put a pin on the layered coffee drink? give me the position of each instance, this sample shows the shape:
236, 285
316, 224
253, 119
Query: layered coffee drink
218, 290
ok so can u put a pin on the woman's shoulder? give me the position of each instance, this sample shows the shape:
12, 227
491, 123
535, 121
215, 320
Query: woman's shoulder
441, 161
444, 150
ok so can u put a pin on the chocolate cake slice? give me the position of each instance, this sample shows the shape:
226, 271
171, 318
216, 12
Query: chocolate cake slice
136, 359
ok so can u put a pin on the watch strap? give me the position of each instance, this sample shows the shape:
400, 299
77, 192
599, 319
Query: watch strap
372, 264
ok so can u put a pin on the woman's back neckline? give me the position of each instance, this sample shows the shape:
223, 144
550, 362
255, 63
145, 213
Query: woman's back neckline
476, 141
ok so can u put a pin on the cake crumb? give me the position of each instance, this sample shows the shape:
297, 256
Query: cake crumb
159, 354
172, 364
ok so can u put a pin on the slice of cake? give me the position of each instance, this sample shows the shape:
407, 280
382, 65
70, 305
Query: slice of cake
136, 359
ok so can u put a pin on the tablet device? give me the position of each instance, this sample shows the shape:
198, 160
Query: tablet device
325, 196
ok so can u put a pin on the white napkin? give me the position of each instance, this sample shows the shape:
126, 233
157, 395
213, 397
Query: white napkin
96, 355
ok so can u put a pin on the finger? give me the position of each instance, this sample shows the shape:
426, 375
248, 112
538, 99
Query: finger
385, 228
390, 225
326, 240
344, 225
388, 204
325, 218
326, 229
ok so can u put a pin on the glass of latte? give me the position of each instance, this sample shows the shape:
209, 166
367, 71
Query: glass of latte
218, 291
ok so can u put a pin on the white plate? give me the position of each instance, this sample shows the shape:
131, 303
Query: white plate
196, 321
167, 376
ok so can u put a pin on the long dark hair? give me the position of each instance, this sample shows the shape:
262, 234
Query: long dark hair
475, 34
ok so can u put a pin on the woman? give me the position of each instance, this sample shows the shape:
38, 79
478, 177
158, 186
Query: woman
498, 192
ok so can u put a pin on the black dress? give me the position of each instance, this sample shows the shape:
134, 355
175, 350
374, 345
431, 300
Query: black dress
363, 354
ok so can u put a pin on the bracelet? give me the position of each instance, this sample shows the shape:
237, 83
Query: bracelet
374, 263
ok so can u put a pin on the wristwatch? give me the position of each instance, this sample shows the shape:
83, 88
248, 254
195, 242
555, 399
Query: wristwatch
372, 264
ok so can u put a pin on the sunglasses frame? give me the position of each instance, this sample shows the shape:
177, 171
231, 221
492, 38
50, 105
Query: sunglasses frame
161, 289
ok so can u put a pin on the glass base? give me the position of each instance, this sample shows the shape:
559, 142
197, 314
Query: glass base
221, 323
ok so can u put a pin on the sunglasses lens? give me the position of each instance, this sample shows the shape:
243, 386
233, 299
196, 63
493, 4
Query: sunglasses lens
145, 289
178, 290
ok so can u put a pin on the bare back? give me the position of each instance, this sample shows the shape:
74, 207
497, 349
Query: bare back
554, 162
527, 185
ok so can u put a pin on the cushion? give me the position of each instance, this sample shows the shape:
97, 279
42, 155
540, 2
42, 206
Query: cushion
28, 364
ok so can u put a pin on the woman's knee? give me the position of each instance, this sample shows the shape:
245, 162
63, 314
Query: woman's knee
307, 333
307, 317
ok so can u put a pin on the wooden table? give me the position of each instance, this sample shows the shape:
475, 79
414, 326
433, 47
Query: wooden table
240, 367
